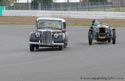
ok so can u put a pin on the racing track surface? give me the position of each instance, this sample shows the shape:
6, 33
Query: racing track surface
78, 62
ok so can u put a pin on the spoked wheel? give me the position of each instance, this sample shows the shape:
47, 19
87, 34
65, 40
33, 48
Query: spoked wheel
90, 37
113, 37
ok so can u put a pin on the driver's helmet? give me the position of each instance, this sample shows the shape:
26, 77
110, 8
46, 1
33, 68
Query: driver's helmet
95, 22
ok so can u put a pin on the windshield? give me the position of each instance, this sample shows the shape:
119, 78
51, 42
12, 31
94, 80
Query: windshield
49, 24
96, 23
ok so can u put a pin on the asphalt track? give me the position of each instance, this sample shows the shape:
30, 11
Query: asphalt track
78, 62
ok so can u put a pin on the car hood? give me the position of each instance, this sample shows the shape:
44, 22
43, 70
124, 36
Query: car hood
51, 30
102, 26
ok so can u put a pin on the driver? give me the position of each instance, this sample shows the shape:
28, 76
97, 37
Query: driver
94, 23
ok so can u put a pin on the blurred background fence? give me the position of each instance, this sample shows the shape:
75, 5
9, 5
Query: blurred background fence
82, 5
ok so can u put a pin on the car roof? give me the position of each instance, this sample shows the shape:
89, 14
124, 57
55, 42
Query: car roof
47, 18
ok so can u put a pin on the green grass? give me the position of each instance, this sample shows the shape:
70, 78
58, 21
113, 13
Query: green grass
78, 24
14, 23
121, 9
70, 21
89, 24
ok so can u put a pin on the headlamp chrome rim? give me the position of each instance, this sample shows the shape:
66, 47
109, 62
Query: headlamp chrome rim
56, 35
37, 34
107, 29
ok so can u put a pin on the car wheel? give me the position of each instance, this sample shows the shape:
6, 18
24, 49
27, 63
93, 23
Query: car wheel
65, 45
109, 40
37, 47
31, 47
113, 37
90, 37
60, 47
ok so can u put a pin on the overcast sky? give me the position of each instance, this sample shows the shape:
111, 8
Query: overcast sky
53, 0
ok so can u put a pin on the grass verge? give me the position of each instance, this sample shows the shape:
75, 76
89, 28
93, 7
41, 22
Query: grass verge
14, 20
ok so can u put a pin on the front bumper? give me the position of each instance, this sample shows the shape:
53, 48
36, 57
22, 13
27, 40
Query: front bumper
52, 44
103, 36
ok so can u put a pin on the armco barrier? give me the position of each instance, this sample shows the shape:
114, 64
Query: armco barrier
1, 10
68, 14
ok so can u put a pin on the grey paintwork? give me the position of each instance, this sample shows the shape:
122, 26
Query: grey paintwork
101, 36
57, 37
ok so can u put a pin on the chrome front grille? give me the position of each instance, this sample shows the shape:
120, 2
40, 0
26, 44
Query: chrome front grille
46, 38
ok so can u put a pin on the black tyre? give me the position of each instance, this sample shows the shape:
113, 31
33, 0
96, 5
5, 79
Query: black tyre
109, 40
113, 37
37, 47
65, 45
60, 47
90, 37
32, 47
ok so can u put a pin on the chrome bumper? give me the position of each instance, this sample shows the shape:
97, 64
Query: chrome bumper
53, 44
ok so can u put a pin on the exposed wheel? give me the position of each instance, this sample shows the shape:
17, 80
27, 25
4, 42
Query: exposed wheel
60, 47
109, 40
90, 37
32, 47
113, 37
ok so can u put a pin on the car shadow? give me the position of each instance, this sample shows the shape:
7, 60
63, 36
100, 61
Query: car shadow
101, 43
48, 49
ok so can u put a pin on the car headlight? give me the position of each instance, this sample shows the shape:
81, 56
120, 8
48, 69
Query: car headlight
106, 29
37, 34
56, 35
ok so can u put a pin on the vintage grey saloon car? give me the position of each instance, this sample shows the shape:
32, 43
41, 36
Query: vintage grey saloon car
50, 32
101, 32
